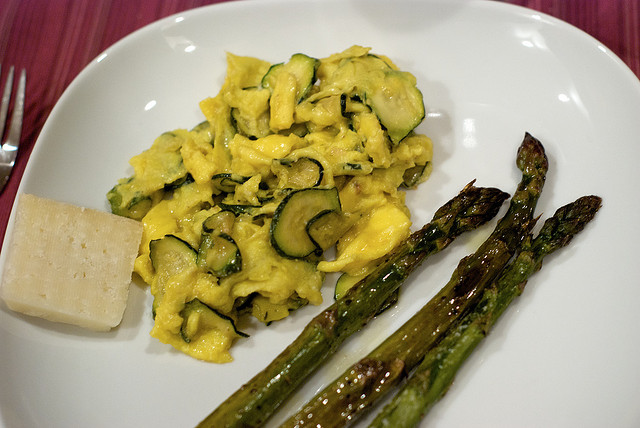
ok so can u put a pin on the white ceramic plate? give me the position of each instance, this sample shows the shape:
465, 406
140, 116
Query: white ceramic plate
565, 354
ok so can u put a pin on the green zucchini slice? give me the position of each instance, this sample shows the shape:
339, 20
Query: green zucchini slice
269, 79
397, 102
128, 201
218, 253
182, 181
301, 66
325, 230
289, 84
135, 196
169, 255
221, 222
415, 175
344, 283
299, 174
289, 234
250, 113
267, 312
252, 127
198, 317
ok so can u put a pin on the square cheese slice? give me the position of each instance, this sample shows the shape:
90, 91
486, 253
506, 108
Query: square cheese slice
69, 264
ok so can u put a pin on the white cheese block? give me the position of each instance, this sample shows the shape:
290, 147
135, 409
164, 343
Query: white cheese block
70, 264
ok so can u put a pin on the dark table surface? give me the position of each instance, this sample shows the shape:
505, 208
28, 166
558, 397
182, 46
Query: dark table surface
55, 39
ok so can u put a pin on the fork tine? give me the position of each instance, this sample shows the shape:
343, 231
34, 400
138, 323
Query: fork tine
15, 129
6, 96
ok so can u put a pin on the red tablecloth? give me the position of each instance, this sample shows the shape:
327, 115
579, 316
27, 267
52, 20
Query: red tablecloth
55, 39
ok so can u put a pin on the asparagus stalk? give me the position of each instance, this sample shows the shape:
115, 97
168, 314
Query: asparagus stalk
257, 400
435, 374
373, 376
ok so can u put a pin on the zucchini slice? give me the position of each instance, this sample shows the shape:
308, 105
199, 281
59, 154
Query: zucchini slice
157, 169
325, 230
289, 84
169, 255
218, 253
127, 200
238, 209
289, 234
251, 127
301, 66
267, 312
269, 79
226, 182
352, 104
397, 102
198, 317
182, 181
415, 175
344, 283
221, 222
250, 111
299, 174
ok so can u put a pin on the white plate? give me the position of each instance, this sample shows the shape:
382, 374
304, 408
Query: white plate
565, 354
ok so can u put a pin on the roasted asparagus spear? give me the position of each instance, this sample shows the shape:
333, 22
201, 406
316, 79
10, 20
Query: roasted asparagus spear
435, 374
373, 376
257, 400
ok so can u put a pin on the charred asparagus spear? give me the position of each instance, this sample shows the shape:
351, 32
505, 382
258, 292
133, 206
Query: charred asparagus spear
435, 374
254, 402
373, 376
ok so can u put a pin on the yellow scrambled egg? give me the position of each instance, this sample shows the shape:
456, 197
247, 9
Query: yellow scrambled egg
292, 159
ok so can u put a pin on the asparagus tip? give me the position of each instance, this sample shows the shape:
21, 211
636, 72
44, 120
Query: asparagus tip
569, 220
531, 154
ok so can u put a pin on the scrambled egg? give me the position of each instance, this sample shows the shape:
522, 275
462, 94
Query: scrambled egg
292, 159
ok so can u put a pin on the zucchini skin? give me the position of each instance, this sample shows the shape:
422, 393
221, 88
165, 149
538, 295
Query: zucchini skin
161, 248
288, 231
197, 305
227, 182
169, 255
219, 253
239, 209
220, 264
302, 173
302, 66
133, 206
401, 113
415, 175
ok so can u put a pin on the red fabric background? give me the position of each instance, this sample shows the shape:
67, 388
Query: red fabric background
55, 39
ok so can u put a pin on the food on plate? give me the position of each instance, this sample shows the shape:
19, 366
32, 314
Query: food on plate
70, 264
369, 379
260, 397
430, 381
442, 334
293, 158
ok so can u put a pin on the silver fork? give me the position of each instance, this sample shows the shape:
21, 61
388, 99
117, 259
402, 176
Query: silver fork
10, 144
